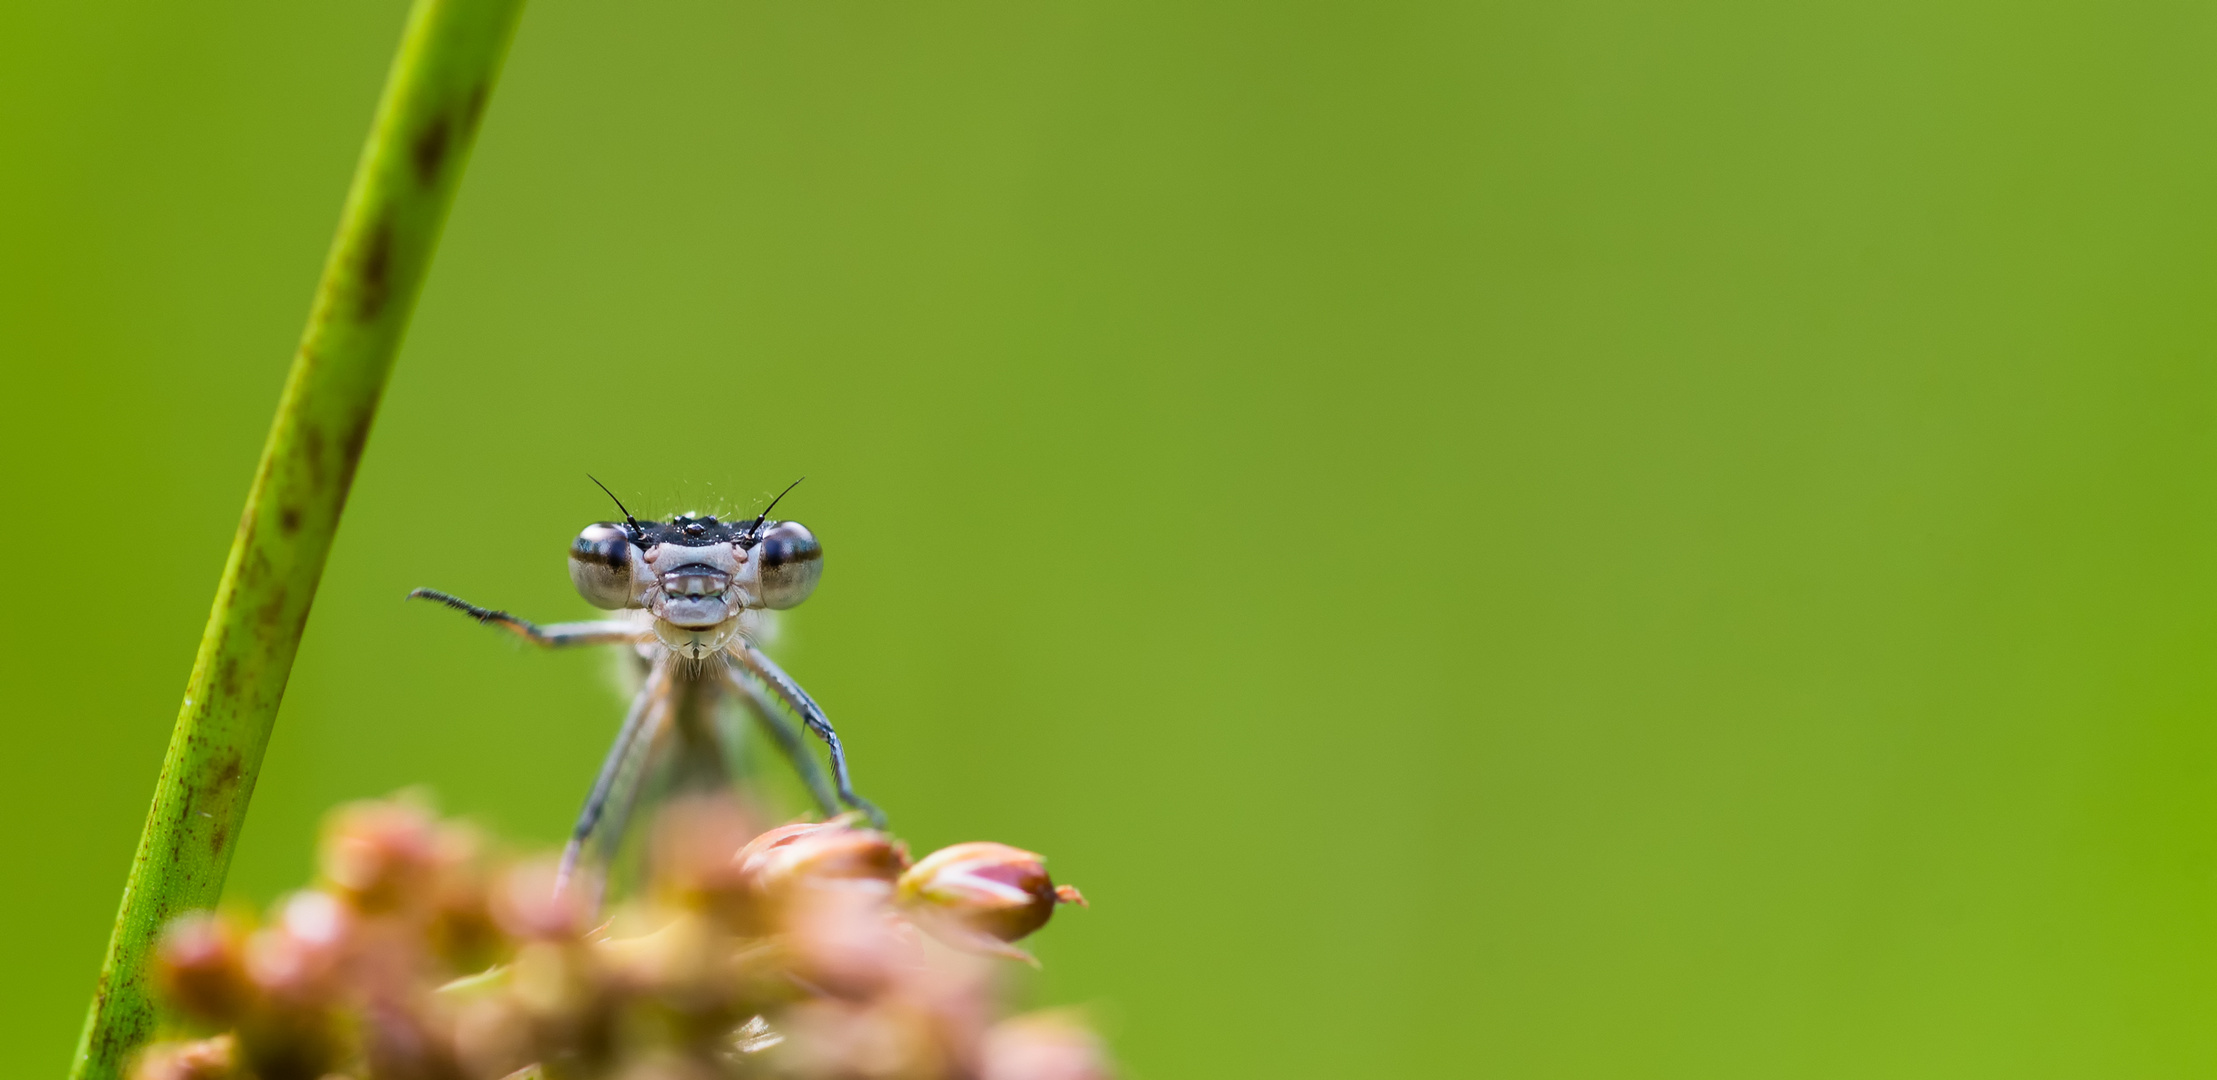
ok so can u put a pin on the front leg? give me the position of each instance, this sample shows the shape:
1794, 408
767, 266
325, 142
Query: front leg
798, 700
553, 635
621, 774
788, 738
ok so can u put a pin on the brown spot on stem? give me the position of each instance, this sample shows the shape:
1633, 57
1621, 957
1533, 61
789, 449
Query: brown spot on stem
271, 615
288, 520
376, 269
475, 107
220, 777
429, 150
350, 451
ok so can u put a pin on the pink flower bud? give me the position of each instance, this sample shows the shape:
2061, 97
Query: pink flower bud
852, 1040
847, 942
299, 966
832, 852
301, 957
983, 896
200, 967
526, 904
1044, 1046
461, 929
380, 855
204, 1059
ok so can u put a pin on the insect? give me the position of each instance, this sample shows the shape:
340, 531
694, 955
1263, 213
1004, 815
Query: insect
694, 587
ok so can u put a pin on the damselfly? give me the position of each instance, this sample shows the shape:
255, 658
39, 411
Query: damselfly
695, 587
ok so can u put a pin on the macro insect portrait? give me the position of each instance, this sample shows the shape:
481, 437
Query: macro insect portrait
692, 589
1507, 540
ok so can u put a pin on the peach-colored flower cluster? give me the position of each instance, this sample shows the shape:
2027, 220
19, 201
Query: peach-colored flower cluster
814, 950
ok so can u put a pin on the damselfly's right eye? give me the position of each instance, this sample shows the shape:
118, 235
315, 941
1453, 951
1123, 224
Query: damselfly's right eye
600, 565
789, 561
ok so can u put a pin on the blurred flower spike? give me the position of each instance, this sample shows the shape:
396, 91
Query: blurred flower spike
812, 951
983, 896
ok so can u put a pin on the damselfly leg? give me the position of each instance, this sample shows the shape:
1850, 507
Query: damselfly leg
552, 635
751, 660
790, 742
621, 772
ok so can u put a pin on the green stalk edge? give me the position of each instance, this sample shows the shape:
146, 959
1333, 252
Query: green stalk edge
426, 119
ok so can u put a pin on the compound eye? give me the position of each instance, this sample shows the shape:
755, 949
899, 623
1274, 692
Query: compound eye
600, 565
790, 561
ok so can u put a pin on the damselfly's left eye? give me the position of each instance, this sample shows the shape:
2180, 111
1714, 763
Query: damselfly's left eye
789, 560
600, 565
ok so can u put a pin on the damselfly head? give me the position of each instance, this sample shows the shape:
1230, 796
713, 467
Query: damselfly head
694, 571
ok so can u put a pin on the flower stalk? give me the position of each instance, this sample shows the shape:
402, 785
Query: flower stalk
435, 93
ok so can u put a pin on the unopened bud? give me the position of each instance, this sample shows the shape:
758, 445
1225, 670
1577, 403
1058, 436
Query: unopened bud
203, 1059
526, 904
379, 855
852, 1039
1044, 1046
401, 1043
462, 931
300, 957
983, 895
201, 968
300, 973
832, 852
847, 942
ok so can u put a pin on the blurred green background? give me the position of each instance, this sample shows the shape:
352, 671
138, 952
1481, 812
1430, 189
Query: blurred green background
1492, 539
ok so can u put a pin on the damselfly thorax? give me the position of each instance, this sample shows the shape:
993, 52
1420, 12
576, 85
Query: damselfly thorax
694, 587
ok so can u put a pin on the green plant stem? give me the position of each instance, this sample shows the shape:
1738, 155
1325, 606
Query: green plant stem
426, 120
